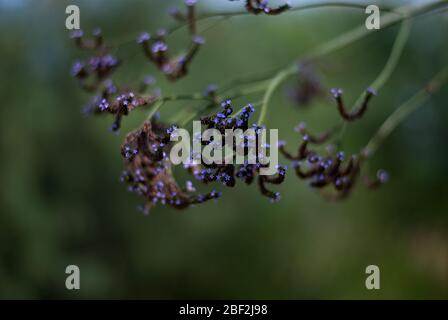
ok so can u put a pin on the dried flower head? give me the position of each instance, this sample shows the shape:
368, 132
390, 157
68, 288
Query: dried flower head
247, 172
330, 168
148, 170
157, 51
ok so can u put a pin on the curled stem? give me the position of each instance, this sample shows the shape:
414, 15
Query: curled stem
386, 72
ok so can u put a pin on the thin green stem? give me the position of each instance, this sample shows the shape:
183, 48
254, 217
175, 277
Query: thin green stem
398, 116
193, 96
196, 113
350, 37
178, 117
394, 58
345, 39
247, 79
154, 109
360, 32
386, 72
273, 84
254, 88
303, 7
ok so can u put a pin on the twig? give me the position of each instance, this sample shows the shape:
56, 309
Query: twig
398, 116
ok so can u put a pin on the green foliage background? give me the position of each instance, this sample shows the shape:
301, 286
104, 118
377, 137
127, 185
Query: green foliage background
62, 203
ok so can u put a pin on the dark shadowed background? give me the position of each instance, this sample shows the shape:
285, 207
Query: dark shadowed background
62, 202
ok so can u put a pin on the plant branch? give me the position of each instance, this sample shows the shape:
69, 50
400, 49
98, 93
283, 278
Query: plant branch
398, 116
303, 7
387, 20
345, 39
273, 84
391, 64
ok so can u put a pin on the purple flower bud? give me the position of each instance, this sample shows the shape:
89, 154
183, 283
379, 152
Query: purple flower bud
336, 92
190, 3
108, 61
115, 126
149, 80
143, 37
276, 198
173, 10
226, 103
300, 127
338, 182
159, 46
281, 170
76, 34
211, 88
281, 143
77, 68
96, 32
372, 91
190, 187
382, 176
325, 164
103, 105
199, 40
313, 158
296, 164
171, 129
161, 33
110, 87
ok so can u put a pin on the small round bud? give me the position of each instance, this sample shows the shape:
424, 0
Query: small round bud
143, 37
336, 92
382, 176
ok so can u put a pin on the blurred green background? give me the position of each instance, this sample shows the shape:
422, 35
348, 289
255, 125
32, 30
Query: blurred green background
62, 203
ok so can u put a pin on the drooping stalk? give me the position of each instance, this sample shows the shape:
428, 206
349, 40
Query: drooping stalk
386, 72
